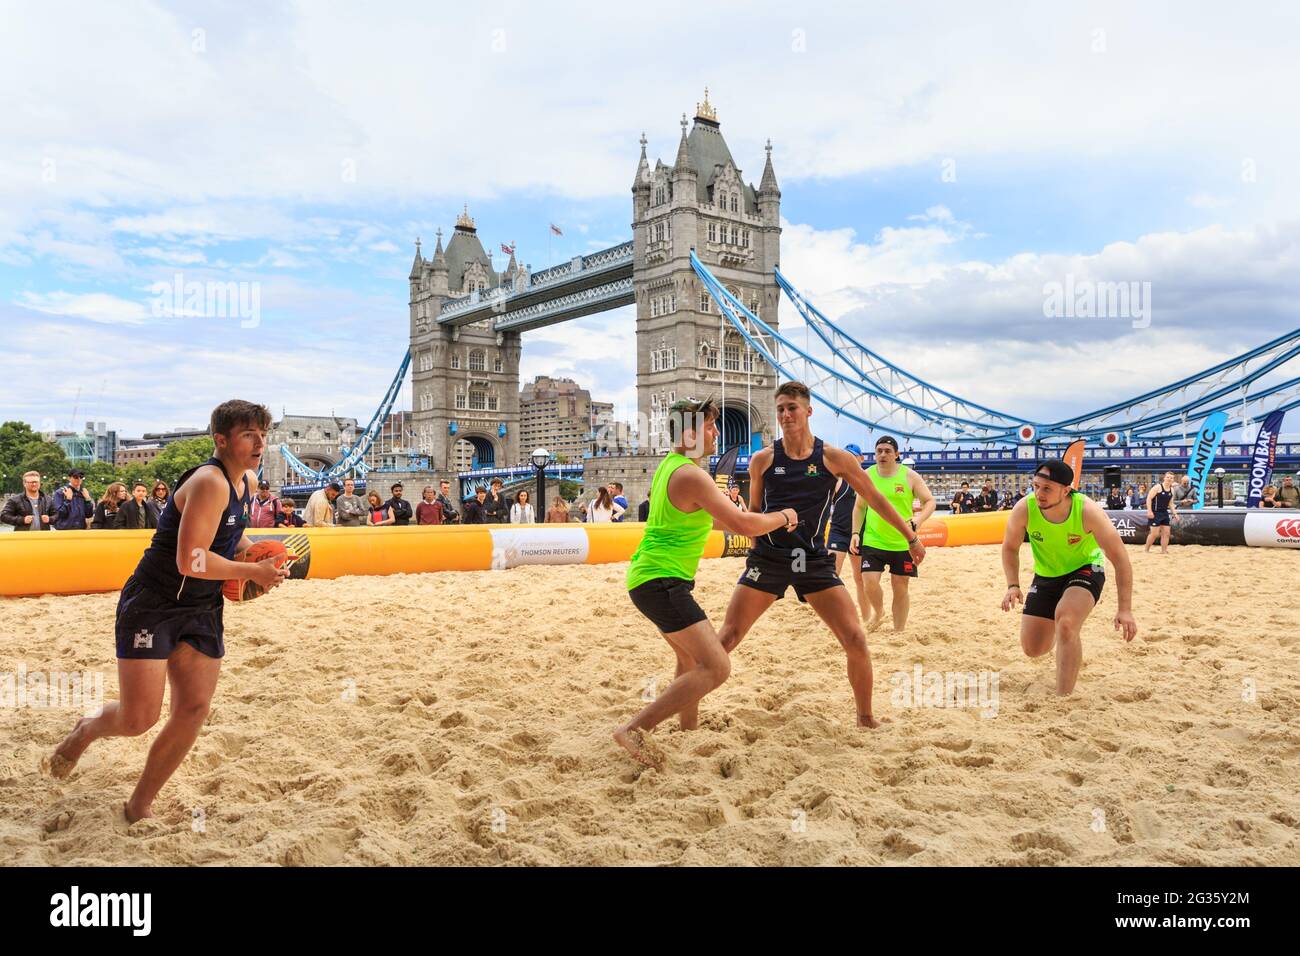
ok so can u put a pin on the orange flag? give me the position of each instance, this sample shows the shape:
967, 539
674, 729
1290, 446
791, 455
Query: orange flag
1074, 458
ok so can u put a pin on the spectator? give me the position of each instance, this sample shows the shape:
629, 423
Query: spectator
349, 507
496, 510
135, 513
263, 508
288, 517
1268, 498
107, 516
449, 513
643, 510
733, 494
559, 513
380, 513
963, 501
399, 506
74, 508
30, 511
1138, 501
320, 506
1115, 500
158, 499
1184, 493
603, 508
987, 499
521, 512
429, 510
1288, 496
1009, 499
1019, 494
616, 493
475, 508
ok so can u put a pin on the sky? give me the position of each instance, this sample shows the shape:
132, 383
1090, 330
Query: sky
940, 165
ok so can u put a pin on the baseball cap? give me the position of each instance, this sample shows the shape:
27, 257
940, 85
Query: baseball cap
886, 440
1054, 469
855, 449
263, 484
76, 473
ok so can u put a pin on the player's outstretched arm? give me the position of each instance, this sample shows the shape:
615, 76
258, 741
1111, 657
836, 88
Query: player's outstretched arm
691, 489
1096, 523
1012, 538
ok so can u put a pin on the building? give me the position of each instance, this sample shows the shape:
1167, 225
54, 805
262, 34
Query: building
316, 440
701, 202
137, 451
556, 414
465, 379
96, 443
610, 437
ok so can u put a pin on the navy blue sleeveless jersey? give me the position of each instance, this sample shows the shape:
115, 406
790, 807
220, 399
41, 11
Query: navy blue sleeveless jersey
157, 567
807, 486
1160, 503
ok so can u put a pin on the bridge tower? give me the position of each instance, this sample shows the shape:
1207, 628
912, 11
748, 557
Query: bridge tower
701, 202
463, 377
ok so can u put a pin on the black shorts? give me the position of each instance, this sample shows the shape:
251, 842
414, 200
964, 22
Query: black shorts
151, 626
899, 563
668, 603
1045, 593
1161, 520
838, 542
774, 575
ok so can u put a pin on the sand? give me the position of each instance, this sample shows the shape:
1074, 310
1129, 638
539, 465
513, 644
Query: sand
464, 718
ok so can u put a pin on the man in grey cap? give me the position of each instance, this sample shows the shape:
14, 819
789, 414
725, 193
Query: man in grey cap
73, 505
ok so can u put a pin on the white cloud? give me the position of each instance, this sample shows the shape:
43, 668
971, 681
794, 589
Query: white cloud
95, 306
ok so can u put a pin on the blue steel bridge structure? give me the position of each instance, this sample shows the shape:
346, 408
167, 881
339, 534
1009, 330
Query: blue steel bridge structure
858, 383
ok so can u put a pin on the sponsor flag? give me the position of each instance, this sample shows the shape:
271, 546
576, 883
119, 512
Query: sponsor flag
556, 229
726, 467
1074, 458
1265, 457
1207, 446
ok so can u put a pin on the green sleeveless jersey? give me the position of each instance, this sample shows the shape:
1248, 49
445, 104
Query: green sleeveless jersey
876, 531
674, 540
1061, 548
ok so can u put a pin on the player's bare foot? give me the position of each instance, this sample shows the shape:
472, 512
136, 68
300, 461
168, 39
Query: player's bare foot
872, 622
135, 814
633, 741
66, 755
866, 720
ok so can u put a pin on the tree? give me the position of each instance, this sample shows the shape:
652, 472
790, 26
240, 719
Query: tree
47, 458
16, 438
569, 490
179, 457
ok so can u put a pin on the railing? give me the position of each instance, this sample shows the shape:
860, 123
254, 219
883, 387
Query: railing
580, 265
566, 303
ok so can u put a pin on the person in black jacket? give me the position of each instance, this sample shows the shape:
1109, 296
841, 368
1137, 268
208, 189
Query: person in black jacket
496, 510
108, 511
987, 499
135, 512
157, 500
474, 508
643, 510
450, 514
31, 510
1115, 500
402, 511
962, 500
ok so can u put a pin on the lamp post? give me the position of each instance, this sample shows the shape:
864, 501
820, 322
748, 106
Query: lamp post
1218, 474
540, 459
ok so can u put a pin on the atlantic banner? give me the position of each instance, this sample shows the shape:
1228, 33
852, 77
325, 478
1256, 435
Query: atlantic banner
1203, 453
1261, 467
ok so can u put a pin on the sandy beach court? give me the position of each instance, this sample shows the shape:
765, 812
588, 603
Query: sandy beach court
465, 718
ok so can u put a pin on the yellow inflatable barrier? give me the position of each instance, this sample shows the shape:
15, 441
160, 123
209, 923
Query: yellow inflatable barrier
81, 562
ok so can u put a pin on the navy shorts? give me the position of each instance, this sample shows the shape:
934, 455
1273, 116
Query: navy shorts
1045, 593
150, 626
898, 563
774, 575
838, 542
668, 603
1160, 520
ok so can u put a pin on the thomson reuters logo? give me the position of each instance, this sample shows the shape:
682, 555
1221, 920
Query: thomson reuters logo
1288, 528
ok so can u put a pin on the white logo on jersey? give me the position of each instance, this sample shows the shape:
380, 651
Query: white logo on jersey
143, 639
230, 520
753, 574
779, 470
